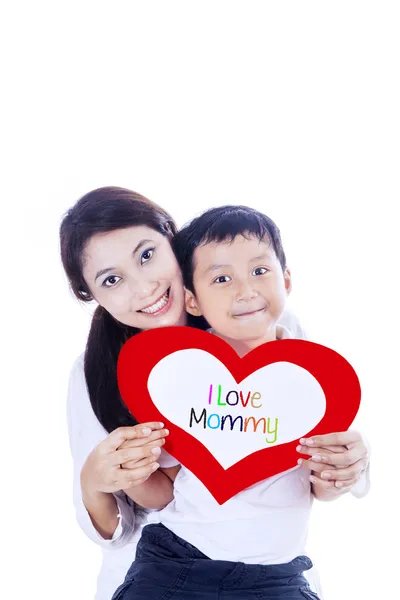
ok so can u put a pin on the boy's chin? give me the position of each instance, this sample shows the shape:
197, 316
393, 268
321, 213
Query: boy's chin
250, 337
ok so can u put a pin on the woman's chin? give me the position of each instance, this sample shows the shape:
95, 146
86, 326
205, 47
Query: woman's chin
175, 315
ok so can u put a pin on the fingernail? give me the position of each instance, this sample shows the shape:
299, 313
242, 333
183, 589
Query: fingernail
146, 431
326, 475
300, 461
309, 442
161, 425
339, 484
299, 448
303, 441
154, 466
166, 431
313, 479
316, 458
156, 450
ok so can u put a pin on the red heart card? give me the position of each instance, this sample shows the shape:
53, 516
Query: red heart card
174, 375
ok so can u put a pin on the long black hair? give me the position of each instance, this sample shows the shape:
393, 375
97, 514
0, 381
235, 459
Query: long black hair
103, 210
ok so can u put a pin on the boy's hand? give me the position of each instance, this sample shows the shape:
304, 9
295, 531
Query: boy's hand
337, 460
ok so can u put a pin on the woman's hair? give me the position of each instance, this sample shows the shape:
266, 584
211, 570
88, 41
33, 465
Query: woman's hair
100, 211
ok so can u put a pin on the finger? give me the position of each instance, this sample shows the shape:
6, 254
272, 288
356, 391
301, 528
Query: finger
321, 484
342, 438
351, 472
323, 450
132, 477
119, 435
333, 449
137, 482
346, 485
312, 466
344, 459
136, 464
155, 435
120, 457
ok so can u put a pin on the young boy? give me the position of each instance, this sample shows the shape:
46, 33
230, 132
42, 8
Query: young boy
235, 274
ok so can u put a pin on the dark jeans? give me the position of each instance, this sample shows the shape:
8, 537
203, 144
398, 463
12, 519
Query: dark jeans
168, 567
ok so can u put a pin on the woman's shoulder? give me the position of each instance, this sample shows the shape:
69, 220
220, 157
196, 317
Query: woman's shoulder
78, 394
77, 387
83, 425
78, 366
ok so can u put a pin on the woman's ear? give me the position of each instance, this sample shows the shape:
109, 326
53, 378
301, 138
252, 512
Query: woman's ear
288, 280
191, 304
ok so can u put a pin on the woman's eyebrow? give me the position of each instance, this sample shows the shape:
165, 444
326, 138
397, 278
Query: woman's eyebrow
140, 244
107, 269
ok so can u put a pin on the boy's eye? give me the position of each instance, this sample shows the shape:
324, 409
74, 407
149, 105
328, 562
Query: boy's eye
222, 279
111, 281
146, 255
259, 271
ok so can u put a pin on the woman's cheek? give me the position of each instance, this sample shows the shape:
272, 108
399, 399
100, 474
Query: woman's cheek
116, 303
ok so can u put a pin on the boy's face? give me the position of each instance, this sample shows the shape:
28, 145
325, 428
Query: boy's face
240, 288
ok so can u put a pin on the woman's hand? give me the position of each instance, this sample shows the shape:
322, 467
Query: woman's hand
337, 462
126, 458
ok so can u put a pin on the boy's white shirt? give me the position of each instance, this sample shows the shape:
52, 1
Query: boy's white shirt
85, 433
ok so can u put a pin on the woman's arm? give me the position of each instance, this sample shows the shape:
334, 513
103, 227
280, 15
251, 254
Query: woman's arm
105, 514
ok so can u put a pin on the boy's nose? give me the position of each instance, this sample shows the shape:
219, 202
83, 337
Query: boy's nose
245, 292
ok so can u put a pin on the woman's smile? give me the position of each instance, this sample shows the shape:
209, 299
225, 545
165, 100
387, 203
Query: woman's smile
160, 306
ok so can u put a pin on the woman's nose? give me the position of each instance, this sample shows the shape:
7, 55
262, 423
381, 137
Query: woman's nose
141, 290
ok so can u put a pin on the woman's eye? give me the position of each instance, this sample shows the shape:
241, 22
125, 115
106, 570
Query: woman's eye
222, 279
111, 281
259, 271
146, 255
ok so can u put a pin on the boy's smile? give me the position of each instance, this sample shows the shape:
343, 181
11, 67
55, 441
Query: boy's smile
240, 289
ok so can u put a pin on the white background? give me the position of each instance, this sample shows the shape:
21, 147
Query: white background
290, 107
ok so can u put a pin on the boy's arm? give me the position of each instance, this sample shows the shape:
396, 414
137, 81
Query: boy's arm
157, 491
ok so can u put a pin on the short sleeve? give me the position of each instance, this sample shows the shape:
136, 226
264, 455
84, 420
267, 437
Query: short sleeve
289, 320
363, 485
166, 460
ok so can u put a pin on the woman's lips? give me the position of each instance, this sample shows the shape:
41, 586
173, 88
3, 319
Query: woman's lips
160, 305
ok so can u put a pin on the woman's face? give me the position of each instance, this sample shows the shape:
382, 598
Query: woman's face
134, 275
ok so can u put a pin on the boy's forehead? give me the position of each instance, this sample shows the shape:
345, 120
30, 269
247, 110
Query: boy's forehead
212, 255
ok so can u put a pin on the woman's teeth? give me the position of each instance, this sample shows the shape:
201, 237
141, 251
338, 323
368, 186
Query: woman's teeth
158, 305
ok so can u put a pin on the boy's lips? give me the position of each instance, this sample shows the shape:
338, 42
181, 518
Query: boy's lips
249, 312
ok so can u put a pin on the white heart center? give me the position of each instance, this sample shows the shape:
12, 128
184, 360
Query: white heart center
274, 405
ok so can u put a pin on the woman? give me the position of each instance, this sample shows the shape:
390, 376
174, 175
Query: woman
116, 250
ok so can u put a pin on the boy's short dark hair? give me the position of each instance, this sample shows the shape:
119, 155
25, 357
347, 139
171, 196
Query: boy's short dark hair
219, 225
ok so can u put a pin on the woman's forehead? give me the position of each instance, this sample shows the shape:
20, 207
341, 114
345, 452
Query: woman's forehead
117, 244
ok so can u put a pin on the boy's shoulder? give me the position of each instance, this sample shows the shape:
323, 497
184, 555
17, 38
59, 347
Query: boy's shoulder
289, 321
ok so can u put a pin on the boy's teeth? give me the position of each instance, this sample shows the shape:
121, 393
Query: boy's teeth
157, 306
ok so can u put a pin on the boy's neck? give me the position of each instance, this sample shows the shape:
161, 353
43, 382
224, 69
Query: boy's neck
243, 347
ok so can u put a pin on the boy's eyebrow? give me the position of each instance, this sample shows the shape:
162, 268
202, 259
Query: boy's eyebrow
139, 245
261, 256
216, 267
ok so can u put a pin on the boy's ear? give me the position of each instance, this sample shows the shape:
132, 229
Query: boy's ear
288, 280
191, 304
